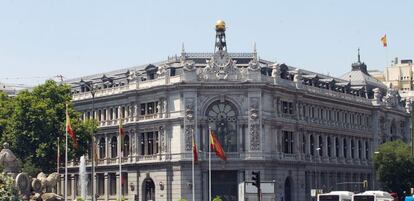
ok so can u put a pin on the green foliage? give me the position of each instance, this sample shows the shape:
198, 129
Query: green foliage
79, 199
7, 190
394, 166
181, 199
36, 121
6, 110
122, 199
217, 198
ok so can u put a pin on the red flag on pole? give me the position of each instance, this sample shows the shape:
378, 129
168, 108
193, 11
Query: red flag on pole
216, 146
195, 151
121, 133
384, 40
69, 129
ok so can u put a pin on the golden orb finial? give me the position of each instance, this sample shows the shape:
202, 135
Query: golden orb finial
220, 25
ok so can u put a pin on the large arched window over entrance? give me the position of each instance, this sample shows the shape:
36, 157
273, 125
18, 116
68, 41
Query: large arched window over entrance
148, 190
222, 117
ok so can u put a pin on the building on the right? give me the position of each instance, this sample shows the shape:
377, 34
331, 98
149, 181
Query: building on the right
398, 76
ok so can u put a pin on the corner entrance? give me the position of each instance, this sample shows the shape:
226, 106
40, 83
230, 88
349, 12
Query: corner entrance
224, 184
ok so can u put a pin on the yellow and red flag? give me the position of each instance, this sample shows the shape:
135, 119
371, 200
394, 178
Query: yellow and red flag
121, 133
216, 146
384, 40
69, 129
195, 151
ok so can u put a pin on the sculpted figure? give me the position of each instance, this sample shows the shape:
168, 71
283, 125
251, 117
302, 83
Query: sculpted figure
8, 160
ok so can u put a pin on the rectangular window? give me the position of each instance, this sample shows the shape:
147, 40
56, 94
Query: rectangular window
104, 114
111, 114
143, 109
150, 143
99, 115
287, 107
287, 142
116, 113
150, 108
142, 140
112, 183
156, 142
124, 182
101, 185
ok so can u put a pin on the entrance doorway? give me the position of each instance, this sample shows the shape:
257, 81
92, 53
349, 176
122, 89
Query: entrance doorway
288, 190
148, 190
224, 184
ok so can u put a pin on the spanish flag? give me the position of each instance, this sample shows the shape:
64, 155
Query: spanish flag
195, 151
69, 129
216, 146
384, 40
121, 133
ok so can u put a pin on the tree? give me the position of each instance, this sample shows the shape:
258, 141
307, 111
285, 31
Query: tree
395, 166
37, 120
6, 109
7, 190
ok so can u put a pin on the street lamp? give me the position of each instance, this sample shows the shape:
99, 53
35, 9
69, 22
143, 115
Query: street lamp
316, 177
375, 172
92, 88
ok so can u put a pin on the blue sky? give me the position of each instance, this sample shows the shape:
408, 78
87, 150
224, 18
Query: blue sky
41, 39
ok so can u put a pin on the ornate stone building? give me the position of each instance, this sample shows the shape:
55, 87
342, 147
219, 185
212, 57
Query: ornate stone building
300, 129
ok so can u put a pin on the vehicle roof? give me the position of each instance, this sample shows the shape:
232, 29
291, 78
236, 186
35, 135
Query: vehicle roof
348, 193
376, 193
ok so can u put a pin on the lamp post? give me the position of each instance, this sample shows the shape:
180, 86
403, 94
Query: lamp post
316, 177
375, 173
92, 89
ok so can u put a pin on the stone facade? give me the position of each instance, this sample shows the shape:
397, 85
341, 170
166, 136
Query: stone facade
300, 129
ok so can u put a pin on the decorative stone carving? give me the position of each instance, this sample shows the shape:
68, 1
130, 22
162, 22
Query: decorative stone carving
188, 65
254, 65
8, 160
189, 109
220, 67
48, 182
275, 70
131, 75
298, 76
162, 70
23, 183
392, 98
254, 137
162, 138
254, 124
377, 94
188, 137
408, 105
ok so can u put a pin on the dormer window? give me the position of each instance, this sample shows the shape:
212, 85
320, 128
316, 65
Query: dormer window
151, 70
172, 71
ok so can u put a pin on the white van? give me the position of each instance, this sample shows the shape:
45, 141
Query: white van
336, 196
373, 196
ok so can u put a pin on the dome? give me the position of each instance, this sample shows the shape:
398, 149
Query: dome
220, 25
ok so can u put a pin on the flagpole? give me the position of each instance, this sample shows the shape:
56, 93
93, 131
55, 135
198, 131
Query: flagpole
193, 162
120, 160
66, 165
58, 155
209, 163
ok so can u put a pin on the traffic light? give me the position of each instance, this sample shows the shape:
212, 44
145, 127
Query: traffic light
365, 184
256, 179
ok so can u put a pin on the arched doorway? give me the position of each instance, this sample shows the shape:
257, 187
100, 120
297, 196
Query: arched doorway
288, 190
148, 190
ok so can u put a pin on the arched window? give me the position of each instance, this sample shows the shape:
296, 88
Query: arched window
102, 148
114, 147
303, 143
336, 147
345, 147
352, 148
329, 147
320, 152
126, 146
222, 117
312, 145
359, 149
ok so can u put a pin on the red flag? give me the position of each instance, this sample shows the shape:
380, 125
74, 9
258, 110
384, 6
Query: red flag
121, 133
69, 129
195, 152
384, 40
216, 146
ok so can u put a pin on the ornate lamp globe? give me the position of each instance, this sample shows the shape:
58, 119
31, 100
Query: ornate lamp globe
220, 25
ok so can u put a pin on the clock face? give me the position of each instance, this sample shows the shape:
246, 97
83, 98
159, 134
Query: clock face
221, 60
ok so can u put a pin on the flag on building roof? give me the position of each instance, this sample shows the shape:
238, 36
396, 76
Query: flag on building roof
384, 40
216, 146
69, 129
